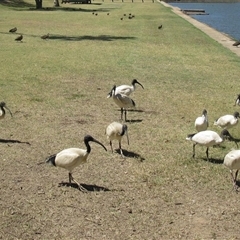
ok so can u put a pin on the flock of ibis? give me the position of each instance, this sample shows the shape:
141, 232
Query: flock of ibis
70, 158
209, 138
73, 157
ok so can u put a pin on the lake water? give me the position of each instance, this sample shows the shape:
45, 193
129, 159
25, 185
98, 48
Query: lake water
224, 17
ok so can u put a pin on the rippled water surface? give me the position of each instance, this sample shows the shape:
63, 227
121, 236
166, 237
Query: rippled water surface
224, 17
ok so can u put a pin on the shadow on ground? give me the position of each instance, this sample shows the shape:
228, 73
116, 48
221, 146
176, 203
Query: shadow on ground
88, 37
213, 160
89, 188
32, 7
130, 154
12, 141
16, 3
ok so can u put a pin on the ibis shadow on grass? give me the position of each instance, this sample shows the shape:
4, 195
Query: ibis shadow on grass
88, 187
130, 154
12, 141
89, 37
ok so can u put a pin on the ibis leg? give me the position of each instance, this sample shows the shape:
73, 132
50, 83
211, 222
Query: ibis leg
81, 188
207, 153
236, 174
235, 181
111, 146
125, 112
193, 150
121, 113
120, 148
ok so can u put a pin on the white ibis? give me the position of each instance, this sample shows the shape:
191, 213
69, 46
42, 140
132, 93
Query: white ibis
208, 139
19, 38
227, 121
232, 161
115, 131
73, 157
13, 30
237, 101
201, 123
2, 110
123, 102
126, 89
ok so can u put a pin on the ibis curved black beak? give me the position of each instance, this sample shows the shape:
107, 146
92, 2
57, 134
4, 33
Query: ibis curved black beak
8, 110
96, 141
127, 137
140, 84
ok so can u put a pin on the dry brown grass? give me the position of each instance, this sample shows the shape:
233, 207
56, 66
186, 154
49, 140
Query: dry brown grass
57, 91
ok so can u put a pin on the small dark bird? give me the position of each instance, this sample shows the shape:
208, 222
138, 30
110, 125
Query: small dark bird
19, 38
93, 13
96, 14
159, 27
13, 30
45, 36
121, 18
236, 43
107, 13
133, 16
124, 14
130, 17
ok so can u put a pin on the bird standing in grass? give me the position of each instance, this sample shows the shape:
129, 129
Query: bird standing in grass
19, 38
159, 27
208, 139
126, 89
115, 131
201, 123
73, 157
46, 36
13, 30
2, 110
123, 101
237, 101
227, 121
232, 161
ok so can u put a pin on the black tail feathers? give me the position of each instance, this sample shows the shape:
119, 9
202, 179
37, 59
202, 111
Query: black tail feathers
51, 160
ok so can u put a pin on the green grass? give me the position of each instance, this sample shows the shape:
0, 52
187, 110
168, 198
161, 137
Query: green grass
57, 92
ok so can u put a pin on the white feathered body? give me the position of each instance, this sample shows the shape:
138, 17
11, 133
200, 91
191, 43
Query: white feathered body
70, 158
125, 89
114, 131
123, 101
226, 121
201, 123
206, 138
2, 113
232, 160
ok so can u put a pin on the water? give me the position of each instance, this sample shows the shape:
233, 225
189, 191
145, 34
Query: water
224, 17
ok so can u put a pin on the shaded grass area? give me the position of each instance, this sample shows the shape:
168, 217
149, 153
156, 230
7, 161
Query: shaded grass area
16, 3
93, 38
57, 89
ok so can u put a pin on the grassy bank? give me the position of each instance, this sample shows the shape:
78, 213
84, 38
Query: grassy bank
57, 90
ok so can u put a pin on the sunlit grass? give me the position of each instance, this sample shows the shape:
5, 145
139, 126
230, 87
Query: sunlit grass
58, 88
